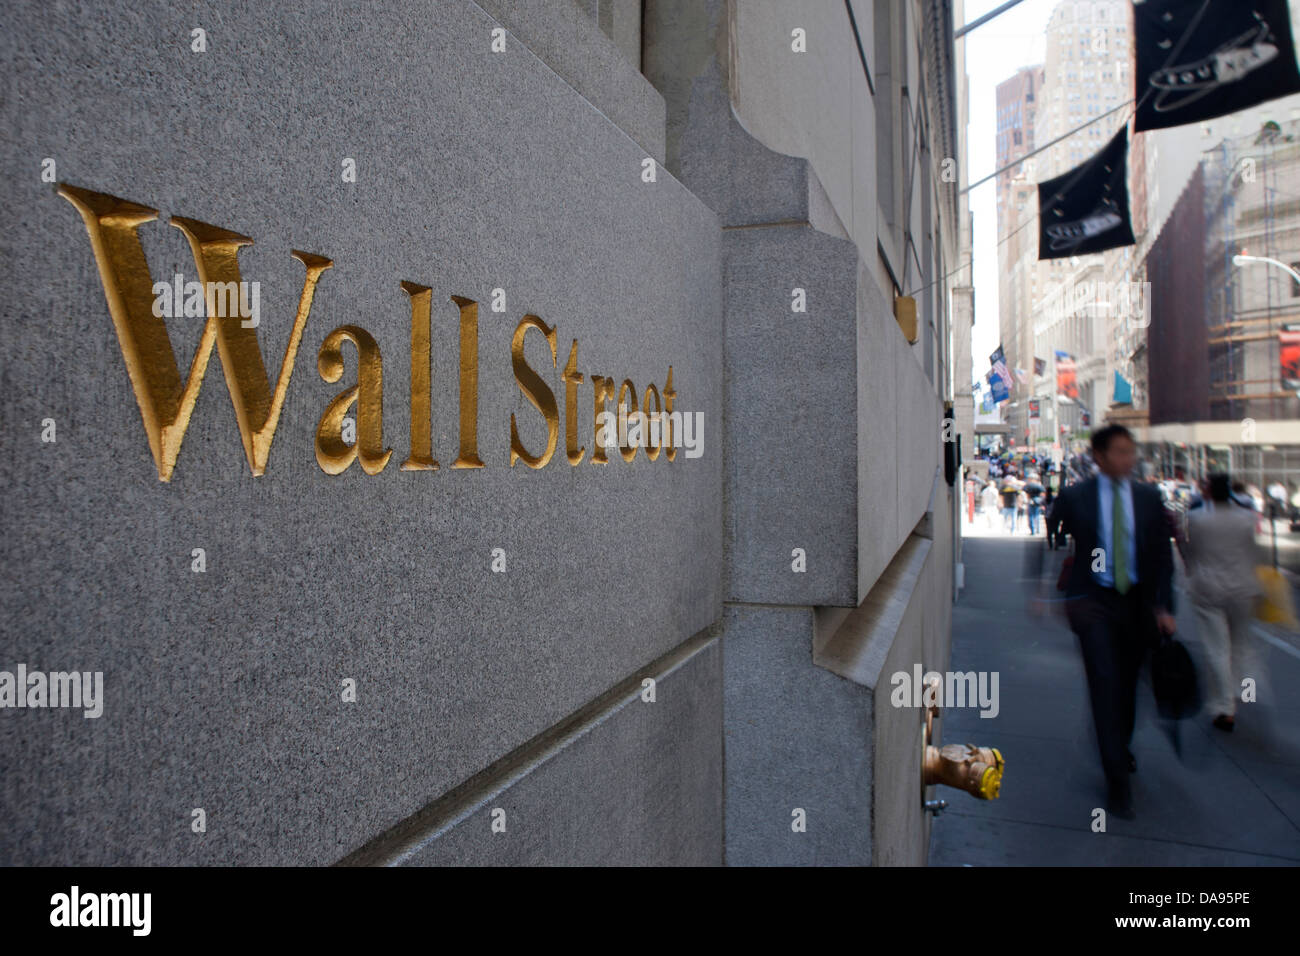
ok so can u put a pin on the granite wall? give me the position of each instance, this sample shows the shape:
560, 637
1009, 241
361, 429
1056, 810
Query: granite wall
224, 689
379, 662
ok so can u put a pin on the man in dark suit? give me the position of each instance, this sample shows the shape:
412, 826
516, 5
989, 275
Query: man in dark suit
1119, 593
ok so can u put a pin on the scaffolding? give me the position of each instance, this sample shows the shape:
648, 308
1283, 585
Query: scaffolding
1252, 206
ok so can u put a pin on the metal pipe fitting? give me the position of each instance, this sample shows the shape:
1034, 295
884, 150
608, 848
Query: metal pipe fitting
977, 770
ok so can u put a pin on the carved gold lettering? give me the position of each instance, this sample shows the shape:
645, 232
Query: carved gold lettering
421, 457
653, 443
572, 379
138, 307
603, 389
468, 457
333, 454
536, 391
670, 449
627, 447
165, 403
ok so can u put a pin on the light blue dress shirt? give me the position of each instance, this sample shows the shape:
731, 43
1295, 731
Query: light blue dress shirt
1105, 511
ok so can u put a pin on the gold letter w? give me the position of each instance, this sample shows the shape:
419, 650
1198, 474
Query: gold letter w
166, 404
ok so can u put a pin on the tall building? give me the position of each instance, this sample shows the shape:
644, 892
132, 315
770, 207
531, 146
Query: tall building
1017, 106
1109, 314
417, 600
1086, 74
1018, 100
963, 303
1164, 162
1223, 340
1018, 295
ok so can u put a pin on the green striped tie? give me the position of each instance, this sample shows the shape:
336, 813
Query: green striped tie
1119, 536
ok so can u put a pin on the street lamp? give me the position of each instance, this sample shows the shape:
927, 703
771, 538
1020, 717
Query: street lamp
1242, 260
1272, 507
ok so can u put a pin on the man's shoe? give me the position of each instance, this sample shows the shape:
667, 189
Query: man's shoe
1121, 808
1224, 722
1119, 799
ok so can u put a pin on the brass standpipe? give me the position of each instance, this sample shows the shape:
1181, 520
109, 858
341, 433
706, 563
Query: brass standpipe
977, 770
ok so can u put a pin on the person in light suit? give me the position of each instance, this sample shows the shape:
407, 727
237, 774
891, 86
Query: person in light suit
1221, 555
1119, 593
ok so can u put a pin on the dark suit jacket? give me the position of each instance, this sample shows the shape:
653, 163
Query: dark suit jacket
1076, 511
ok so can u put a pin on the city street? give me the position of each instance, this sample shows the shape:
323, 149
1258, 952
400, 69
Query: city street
1233, 799
551, 434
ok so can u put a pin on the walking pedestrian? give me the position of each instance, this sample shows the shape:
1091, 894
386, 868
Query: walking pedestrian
1119, 594
1034, 492
989, 500
1049, 499
1221, 554
1010, 494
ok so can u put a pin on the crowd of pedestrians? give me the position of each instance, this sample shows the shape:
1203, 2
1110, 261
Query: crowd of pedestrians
1121, 533
1015, 497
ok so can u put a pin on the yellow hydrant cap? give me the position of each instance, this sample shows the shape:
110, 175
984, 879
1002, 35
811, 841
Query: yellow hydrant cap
990, 783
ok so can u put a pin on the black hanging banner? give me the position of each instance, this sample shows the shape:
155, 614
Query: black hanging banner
1197, 59
1086, 209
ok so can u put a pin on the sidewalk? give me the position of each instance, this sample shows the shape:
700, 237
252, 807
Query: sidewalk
1232, 799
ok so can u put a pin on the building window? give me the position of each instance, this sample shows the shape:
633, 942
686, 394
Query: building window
1295, 286
892, 154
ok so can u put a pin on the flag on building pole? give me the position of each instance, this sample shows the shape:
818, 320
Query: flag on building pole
1086, 210
1067, 385
1123, 394
1021, 376
998, 387
999, 362
1040, 367
1198, 59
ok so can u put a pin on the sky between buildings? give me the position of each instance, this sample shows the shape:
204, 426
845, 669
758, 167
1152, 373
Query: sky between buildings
993, 53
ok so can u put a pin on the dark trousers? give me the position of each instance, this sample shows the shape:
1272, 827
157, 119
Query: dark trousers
1114, 633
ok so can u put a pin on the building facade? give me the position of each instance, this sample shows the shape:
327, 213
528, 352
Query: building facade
1220, 345
1018, 100
366, 575
1085, 75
